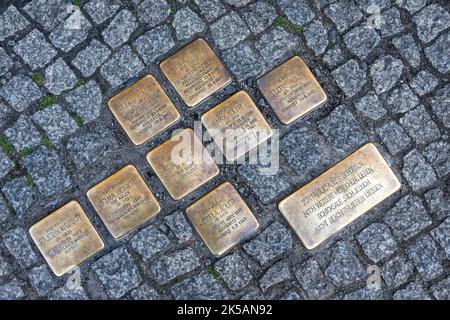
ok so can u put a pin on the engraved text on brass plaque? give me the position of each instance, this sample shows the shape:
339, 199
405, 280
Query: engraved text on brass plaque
339, 195
144, 110
123, 201
292, 90
195, 72
66, 238
182, 163
222, 218
237, 125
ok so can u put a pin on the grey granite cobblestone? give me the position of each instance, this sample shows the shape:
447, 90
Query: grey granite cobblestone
350, 77
85, 101
153, 12
74, 30
312, 280
20, 194
151, 234
187, 23
120, 29
233, 271
101, 10
89, 59
59, 77
122, 66
154, 43
35, 50
11, 22
401, 99
439, 53
200, 287
397, 271
259, 16
117, 272
56, 122
426, 257
20, 92
16, 241
419, 174
269, 245
229, 30
171, 266
47, 171
212, 9
407, 218
23, 134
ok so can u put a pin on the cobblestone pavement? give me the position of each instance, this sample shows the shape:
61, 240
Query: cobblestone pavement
386, 76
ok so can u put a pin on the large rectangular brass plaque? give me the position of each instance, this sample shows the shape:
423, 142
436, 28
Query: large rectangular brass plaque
222, 218
195, 72
292, 90
182, 164
66, 238
123, 201
144, 110
339, 195
237, 125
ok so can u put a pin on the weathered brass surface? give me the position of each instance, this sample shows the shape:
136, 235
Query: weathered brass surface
144, 110
195, 72
123, 201
339, 195
66, 238
182, 163
236, 125
292, 90
222, 218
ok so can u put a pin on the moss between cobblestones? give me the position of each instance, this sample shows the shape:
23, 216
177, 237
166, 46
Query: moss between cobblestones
79, 120
212, 271
80, 82
25, 152
30, 181
38, 79
283, 22
47, 101
46, 142
173, 10
6, 145
77, 2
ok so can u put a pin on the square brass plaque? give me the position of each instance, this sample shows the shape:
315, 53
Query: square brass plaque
66, 238
182, 164
237, 125
222, 218
144, 110
123, 201
339, 195
292, 90
195, 72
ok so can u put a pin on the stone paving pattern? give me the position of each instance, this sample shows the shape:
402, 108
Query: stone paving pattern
388, 84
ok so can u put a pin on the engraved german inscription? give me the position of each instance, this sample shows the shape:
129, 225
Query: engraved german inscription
237, 125
123, 201
339, 195
144, 110
182, 163
292, 90
222, 218
195, 72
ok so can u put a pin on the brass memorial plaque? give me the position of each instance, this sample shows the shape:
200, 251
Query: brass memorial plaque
123, 201
222, 218
236, 125
292, 90
339, 195
144, 110
195, 72
66, 238
182, 164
